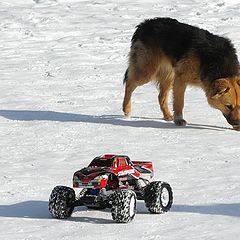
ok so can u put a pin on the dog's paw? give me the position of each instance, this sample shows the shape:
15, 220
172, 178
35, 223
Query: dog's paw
168, 118
127, 115
180, 122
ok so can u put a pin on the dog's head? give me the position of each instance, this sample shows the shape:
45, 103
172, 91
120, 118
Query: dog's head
224, 95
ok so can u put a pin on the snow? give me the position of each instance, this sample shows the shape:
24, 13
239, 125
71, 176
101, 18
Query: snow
61, 68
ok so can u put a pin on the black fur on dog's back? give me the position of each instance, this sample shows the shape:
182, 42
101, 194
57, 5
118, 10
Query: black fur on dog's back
217, 55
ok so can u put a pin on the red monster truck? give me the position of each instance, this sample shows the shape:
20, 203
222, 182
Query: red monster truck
116, 182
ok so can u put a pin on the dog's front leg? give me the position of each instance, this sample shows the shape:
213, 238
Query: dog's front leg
179, 88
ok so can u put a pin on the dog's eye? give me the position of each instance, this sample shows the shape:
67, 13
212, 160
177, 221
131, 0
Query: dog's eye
229, 107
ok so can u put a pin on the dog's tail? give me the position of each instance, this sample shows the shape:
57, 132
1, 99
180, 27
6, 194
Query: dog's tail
125, 76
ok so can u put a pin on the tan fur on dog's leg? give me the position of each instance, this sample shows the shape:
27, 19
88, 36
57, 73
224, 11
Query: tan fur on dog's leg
164, 79
142, 68
179, 88
165, 87
129, 88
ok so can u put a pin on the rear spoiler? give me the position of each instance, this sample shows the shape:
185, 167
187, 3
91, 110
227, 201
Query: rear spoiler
143, 167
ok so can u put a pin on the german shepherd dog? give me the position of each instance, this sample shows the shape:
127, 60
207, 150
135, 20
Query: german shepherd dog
175, 55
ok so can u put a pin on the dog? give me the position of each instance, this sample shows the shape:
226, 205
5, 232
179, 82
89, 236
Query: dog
176, 55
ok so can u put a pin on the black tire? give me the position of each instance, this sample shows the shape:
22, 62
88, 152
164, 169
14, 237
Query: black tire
61, 202
123, 206
158, 197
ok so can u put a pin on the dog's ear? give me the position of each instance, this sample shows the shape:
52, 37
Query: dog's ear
220, 87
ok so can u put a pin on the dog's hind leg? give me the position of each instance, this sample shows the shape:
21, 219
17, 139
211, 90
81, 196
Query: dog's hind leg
129, 88
163, 100
142, 68
165, 79
133, 80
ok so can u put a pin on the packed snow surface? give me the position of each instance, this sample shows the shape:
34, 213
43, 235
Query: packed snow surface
61, 69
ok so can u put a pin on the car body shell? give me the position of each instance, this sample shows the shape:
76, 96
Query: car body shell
111, 170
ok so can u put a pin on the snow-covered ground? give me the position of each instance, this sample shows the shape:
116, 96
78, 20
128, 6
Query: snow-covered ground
61, 69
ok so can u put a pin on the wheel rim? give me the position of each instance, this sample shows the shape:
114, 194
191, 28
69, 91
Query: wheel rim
132, 206
165, 197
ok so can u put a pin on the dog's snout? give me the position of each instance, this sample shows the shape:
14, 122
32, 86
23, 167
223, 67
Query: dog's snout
234, 116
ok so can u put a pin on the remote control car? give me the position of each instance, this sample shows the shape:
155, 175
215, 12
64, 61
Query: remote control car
116, 182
